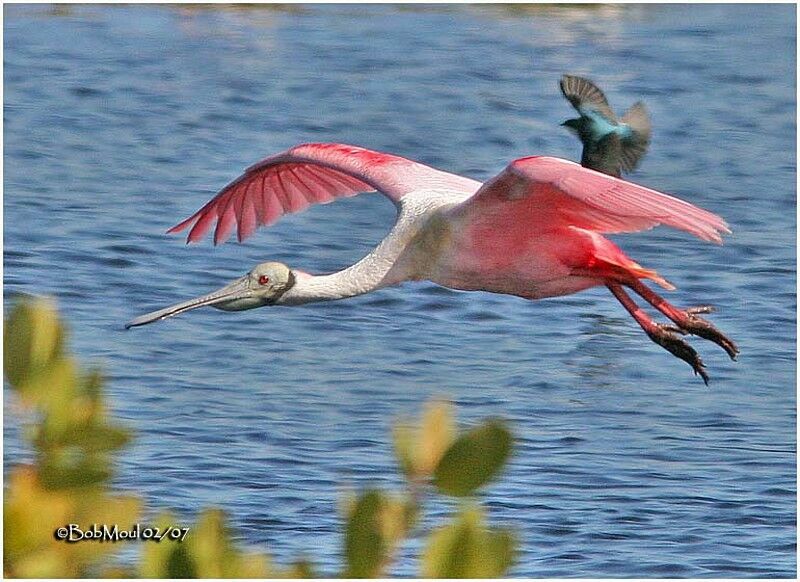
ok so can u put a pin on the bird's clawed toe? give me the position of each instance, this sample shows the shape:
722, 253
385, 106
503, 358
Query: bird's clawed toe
665, 336
705, 329
670, 328
700, 309
684, 321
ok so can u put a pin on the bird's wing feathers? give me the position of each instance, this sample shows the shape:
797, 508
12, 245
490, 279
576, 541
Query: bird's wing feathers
634, 147
582, 93
310, 174
551, 192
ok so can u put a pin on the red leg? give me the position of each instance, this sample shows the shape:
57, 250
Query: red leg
663, 335
687, 319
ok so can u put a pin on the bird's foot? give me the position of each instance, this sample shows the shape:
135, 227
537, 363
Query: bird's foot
666, 336
703, 328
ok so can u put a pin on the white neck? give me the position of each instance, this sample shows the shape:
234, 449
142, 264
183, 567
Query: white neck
388, 264
366, 275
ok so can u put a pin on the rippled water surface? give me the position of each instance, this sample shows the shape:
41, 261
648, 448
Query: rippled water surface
120, 121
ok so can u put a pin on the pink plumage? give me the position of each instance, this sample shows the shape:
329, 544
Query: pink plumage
304, 175
535, 230
544, 192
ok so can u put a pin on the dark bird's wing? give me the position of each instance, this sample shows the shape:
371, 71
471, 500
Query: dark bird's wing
605, 155
583, 95
635, 146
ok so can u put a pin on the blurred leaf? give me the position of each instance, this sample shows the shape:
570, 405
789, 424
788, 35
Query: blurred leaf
437, 432
52, 390
403, 436
301, 569
157, 557
210, 545
253, 565
68, 468
28, 513
500, 550
473, 459
210, 553
396, 518
466, 549
364, 546
32, 341
179, 564
31, 515
419, 448
91, 385
116, 572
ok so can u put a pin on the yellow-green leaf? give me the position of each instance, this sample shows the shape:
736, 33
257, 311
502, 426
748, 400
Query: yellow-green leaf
403, 437
364, 546
436, 434
32, 339
467, 549
473, 459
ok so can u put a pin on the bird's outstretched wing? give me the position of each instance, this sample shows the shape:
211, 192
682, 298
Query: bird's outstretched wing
551, 193
635, 146
585, 95
315, 173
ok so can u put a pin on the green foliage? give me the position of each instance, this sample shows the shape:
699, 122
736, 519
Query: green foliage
75, 443
466, 548
376, 523
207, 552
419, 449
33, 341
474, 459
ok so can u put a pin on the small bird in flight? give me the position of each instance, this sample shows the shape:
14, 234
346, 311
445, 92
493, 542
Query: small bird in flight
609, 146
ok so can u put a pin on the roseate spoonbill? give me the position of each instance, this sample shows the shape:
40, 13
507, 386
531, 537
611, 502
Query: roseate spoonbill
609, 146
533, 231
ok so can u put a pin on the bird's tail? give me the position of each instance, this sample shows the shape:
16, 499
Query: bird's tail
635, 146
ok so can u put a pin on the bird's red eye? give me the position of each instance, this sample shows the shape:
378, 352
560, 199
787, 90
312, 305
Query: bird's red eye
263, 280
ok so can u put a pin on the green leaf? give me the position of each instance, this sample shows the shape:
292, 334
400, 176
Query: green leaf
32, 339
178, 563
419, 448
403, 437
68, 468
396, 518
501, 549
466, 549
436, 434
474, 459
166, 559
210, 545
364, 546
301, 569
453, 551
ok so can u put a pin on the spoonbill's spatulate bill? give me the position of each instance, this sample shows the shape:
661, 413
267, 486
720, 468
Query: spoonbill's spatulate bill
609, 145
534, 231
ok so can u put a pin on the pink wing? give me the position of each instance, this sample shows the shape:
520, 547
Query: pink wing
549, 193
310, 174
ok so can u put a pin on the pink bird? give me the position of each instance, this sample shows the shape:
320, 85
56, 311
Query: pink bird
535, 230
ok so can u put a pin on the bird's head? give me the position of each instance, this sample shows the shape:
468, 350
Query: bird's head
265, 284
574, 125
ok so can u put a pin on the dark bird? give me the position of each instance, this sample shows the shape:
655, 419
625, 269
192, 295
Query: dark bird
609, 146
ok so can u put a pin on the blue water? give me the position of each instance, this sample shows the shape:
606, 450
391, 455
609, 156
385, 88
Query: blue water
119, 121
